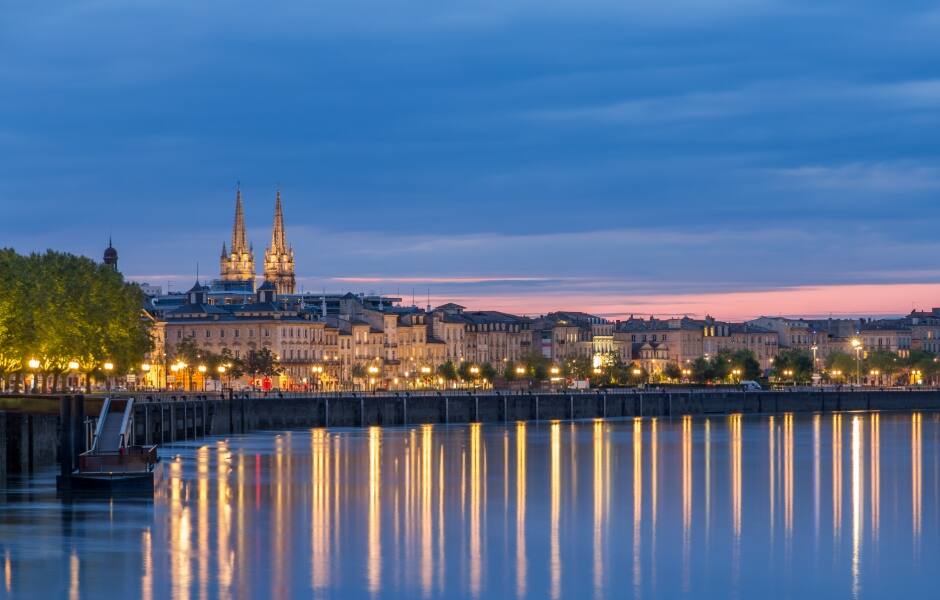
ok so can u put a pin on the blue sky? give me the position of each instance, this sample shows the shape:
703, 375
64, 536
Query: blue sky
623, 150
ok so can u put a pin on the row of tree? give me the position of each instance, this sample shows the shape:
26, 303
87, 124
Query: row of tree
256, 363
62, 311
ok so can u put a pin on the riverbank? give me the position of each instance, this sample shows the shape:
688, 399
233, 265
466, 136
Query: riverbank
30, 441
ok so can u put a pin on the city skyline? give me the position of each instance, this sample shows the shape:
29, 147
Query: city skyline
796, 301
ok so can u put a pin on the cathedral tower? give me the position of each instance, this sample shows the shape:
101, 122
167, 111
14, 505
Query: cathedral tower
111, 256
238, 263
279, 257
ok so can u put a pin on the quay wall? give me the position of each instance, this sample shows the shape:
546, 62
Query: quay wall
239, 415
30, 441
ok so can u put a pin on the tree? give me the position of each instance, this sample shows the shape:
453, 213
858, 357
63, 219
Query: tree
743, 360
840, 367
488, 372
448, 371
636, 374
579, 367
58, 308
464, 371
795, 360
262, 363
509, 371
672, 371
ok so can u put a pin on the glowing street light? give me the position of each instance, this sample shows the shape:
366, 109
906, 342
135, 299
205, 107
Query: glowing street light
857, 344
145, 367
33, 364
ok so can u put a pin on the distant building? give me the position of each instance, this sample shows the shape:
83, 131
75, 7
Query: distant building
110, 256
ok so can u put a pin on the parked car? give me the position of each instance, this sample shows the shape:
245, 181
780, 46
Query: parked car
751, 386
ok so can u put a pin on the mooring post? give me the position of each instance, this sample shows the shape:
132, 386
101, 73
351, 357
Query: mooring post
78, 428
66, 440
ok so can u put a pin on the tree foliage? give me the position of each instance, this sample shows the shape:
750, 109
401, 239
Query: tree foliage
797, 360
58, 308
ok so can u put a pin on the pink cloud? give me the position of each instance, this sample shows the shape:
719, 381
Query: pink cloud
838, 300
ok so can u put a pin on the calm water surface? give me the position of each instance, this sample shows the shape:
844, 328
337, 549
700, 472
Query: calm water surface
835, 506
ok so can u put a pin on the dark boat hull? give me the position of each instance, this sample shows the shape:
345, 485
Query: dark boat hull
107, 484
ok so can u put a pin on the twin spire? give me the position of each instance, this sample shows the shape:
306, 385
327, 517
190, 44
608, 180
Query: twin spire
237, 265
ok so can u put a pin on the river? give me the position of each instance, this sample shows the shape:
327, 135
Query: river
842, 506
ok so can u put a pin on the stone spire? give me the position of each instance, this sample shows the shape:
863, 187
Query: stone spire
279, 257
239, 237
238, 262
278, 238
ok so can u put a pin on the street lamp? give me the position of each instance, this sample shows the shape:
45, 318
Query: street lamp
814, 348
317, 370
857, 344
372, 371
33, 365
108, 367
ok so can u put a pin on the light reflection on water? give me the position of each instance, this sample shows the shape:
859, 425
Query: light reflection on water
687, 507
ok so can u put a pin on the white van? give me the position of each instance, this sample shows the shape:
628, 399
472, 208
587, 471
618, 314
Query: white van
751, 386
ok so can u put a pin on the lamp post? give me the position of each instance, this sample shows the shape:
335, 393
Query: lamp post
736, 375
33, 366
857, 344
426, 374
74, 367
202, 373
145, 367
317, 372
221, 369
815, 349
373, 370
108, 367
